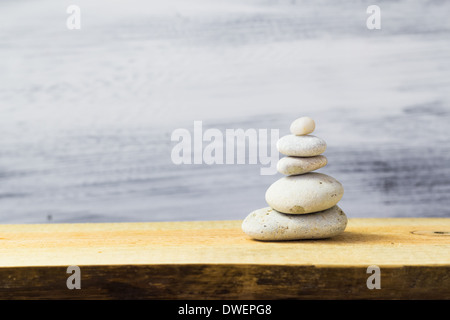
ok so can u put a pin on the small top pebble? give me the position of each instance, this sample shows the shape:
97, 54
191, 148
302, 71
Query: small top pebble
302, 126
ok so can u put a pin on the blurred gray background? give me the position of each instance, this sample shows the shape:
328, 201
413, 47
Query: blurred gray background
86, 115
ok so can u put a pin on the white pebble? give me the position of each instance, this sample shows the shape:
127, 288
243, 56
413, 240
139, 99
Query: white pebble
302, 126
305, 193
301, 146
271, 225
296, 165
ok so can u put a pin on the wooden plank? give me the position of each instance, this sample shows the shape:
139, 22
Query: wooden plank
214, 259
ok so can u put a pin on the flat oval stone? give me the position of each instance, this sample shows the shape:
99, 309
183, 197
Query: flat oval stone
302, 126
301, 146
296, 165
309, 192
271, 225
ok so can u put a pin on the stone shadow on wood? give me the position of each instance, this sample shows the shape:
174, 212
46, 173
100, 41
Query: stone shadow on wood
348, 237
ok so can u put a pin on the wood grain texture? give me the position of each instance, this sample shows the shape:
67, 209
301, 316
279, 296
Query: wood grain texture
215, 260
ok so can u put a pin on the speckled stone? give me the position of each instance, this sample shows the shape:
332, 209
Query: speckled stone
309, 192
296, 165
301, 146
271, 225
302, 126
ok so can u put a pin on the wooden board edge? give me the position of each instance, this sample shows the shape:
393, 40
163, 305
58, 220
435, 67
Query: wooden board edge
208, 281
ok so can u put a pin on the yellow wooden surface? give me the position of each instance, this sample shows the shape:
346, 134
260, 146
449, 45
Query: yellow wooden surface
383, 242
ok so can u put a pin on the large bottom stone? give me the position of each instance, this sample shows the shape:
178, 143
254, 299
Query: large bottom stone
271, 225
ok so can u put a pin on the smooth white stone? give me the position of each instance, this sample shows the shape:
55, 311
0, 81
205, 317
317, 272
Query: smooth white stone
302, 126
301, 146
296, 165
309, 192
269, 224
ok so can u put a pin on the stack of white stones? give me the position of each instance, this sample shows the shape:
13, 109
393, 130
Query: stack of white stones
303, 204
